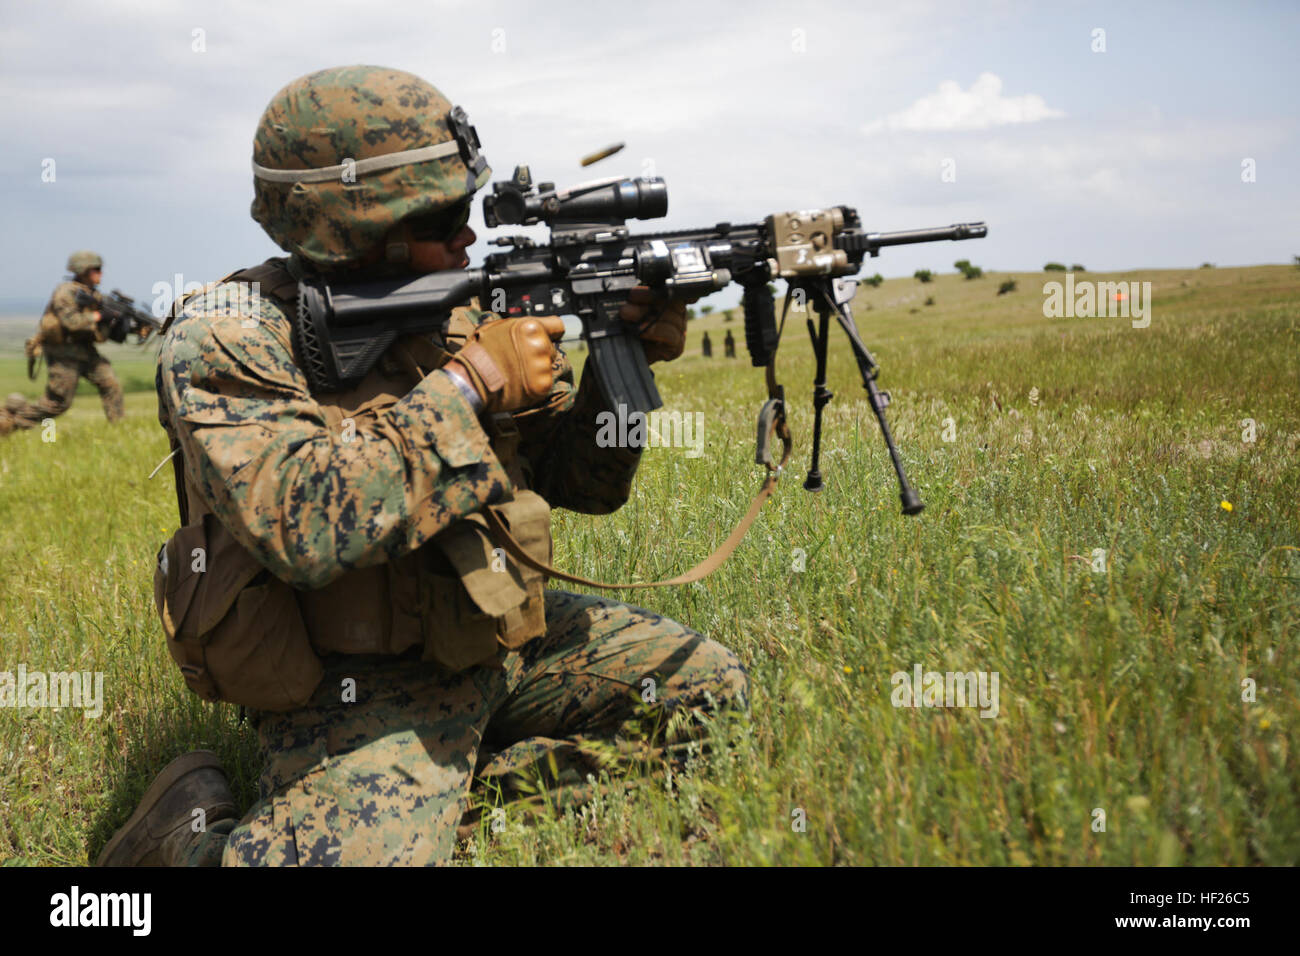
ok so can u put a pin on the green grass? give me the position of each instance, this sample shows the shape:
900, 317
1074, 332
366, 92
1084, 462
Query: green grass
134, 365
1119, 690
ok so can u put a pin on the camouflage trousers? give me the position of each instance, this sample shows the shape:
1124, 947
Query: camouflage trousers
386, 779
13, 404
65, 370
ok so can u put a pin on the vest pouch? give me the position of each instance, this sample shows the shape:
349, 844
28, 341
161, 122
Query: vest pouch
33, 350
461, 635
50, 331
496, 600
233, 628
528, 517
373, 610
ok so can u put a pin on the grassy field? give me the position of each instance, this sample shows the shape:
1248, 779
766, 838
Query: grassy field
1121, 689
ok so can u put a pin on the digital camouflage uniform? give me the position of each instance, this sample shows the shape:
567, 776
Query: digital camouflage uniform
385, 777
76, 357
15, 402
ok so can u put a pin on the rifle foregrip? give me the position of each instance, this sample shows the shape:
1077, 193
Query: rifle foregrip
760, 324
624, 374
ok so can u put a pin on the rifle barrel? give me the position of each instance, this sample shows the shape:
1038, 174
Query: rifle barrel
961, 230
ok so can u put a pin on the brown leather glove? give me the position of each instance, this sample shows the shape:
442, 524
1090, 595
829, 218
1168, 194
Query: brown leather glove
509, 361
660, 322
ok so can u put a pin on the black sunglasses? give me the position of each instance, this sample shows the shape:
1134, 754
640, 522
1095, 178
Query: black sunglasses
441, 226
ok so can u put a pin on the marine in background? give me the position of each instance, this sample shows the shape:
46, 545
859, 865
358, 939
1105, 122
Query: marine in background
69, 330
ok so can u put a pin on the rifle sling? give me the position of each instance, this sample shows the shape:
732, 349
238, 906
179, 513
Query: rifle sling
501, 534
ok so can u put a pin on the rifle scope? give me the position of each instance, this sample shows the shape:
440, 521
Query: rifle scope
516, 202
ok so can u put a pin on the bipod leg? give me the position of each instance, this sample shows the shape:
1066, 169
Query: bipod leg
821, 394
839, 302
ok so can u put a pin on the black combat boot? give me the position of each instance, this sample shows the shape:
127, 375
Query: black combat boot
161, 829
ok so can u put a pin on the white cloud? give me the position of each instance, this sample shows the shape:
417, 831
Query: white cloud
740, 121
980, 107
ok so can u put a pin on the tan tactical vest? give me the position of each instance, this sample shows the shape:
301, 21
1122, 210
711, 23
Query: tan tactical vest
50, 333
50, 330
243, 636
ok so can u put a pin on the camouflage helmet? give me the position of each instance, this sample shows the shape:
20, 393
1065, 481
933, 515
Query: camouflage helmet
342, 155
83, 261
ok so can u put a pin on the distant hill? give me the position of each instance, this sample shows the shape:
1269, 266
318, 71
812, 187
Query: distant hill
14, 330
20, 305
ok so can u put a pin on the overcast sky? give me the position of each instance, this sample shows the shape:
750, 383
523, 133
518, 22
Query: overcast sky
1128, 158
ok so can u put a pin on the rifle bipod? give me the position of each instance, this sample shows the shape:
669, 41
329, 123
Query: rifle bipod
829, 295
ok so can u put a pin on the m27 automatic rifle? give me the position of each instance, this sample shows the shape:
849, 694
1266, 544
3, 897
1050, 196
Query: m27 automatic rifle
119, 316
587, 270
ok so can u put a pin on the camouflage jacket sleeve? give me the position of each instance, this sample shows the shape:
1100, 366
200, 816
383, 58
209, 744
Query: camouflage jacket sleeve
570, 470
310, 504
72, 316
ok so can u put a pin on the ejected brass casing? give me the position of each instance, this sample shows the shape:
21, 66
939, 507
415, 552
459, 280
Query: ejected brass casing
601, 154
